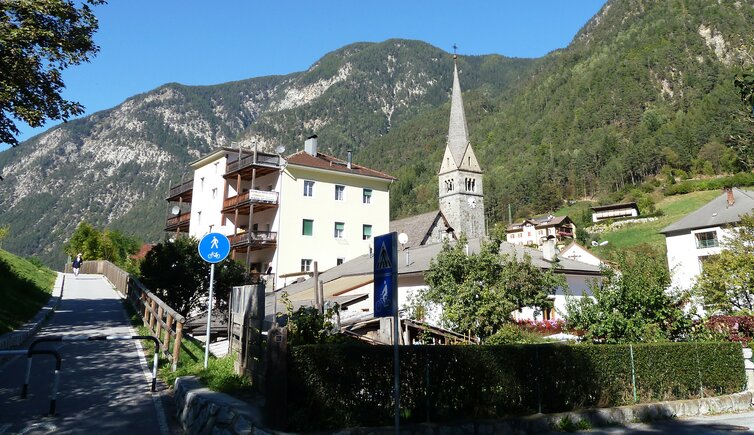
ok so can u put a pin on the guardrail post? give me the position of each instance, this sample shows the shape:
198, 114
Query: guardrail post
151, 315
177, 344
146, 308
160, 313
168, 333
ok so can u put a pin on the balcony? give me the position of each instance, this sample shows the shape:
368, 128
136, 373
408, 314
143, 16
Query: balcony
263, 163
181, 191
254, 240
179, 223
259, 199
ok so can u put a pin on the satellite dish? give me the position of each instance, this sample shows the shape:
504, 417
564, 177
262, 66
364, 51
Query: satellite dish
175, 210
402, 238
279, 149
594, 243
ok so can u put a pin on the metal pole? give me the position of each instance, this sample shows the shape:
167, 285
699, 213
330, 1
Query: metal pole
633, 372
396, 365
209, 313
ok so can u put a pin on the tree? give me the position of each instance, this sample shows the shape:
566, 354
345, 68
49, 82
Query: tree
631, 305
109, 245
175, 272
4, 231
39, 39
479, 292
727, 280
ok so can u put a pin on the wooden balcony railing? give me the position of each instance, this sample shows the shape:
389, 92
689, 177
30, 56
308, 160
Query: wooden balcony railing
254, 239
181, 188
253, 196
178, 220
258, 159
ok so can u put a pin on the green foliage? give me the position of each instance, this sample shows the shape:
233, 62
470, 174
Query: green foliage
174, 271
307, 326
109, 245
478, 292
26, 286
631, 305
510, 333
4, 230
337, 386
41, 38
740, 179
727, 280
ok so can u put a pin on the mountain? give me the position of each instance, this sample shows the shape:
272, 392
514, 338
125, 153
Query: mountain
113, 168
645, 87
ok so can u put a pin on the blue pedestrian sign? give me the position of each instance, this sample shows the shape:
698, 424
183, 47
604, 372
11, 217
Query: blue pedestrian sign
386, 275
214, 247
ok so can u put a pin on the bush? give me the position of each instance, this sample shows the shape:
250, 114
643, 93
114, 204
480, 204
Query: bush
511, 333
740, 179
335, 386
731, 328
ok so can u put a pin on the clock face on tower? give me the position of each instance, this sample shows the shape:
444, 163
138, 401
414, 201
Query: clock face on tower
472, 202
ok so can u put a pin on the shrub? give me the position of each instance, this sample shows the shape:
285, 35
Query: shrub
731, 328
335, 386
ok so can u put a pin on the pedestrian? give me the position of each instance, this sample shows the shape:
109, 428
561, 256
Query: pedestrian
77, 262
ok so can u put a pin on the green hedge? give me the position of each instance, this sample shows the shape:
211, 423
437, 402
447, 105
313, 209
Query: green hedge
335, 386
740, 179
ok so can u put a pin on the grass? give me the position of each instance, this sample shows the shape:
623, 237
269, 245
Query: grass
219, 375
634, 235
26, 287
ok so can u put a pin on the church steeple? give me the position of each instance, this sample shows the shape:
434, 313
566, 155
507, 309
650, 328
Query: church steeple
461, 196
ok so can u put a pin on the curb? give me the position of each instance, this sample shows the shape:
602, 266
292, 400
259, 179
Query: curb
16, 338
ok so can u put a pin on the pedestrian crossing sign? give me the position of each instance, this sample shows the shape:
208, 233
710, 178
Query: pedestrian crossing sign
385, 275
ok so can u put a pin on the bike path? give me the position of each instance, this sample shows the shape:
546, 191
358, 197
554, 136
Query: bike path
103, 387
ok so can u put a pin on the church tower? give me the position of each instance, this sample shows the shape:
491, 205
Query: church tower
460, 178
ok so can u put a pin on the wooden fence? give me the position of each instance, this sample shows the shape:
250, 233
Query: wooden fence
163, 322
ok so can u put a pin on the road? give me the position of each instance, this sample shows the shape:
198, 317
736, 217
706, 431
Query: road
104, 385
720, 424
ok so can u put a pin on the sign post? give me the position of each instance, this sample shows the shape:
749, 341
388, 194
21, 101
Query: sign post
386, 300
213, 248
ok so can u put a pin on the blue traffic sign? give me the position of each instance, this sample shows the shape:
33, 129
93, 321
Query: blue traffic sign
386, 275
214, 247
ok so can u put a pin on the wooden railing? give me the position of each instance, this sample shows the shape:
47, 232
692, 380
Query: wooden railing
177, 220
181, 188
259, 196
253, 238
163, 322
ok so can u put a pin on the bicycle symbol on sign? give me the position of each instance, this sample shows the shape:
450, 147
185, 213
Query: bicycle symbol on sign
214, 255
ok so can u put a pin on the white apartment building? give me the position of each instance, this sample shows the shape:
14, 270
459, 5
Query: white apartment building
534, 231
283, 214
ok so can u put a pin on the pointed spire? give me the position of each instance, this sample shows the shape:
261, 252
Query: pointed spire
458, 136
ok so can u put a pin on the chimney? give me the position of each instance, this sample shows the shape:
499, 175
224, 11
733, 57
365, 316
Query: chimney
310, 145
548, 249
349, 159
731, 199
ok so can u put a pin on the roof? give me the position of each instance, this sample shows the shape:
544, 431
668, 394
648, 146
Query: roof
615, 206
358, 272
458, 136
330, 163
418, 228
540, 222
716, 212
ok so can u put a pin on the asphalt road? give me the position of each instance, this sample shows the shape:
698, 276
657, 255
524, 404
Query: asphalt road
739, 423
104, 385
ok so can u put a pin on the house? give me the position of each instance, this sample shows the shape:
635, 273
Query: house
424, 229
699, 235
351, 284
576, 252
614, 211
534, 231
283, 214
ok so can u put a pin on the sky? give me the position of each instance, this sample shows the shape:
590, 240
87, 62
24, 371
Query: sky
147, 43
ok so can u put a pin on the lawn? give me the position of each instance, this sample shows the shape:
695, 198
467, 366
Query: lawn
673, 208
25, 287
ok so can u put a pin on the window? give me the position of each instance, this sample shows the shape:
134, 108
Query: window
306, 264
199, 217
339, 190
366, 232
214, 193
706, 240
366, 196
339, 228
308, 188
201, 184
308, 227
217, 165
339, 261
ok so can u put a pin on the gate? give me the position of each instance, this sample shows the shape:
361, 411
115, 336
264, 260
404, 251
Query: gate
245, 329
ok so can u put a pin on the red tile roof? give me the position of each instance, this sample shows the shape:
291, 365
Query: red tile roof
324, 161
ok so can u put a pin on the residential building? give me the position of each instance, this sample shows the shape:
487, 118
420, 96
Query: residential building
533, 231
614, 211
423, 229
576, 252
700, 234
282, 215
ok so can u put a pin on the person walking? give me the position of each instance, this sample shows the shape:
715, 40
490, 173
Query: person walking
77, 262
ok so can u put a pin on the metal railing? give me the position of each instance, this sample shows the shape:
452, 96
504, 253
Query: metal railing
256, 159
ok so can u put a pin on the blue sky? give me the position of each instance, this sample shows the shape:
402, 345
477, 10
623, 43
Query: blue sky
146, 43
